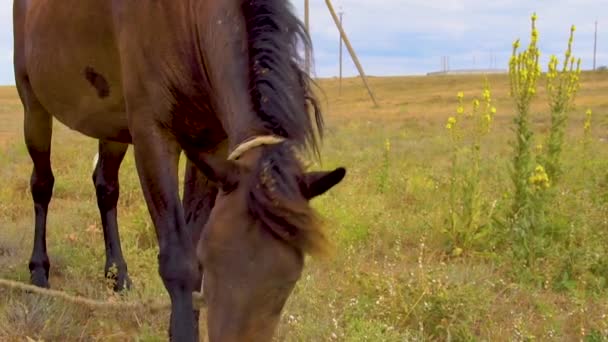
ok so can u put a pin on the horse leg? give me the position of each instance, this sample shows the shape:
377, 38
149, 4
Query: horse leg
38, 129
157, 155
105, 179
198, 200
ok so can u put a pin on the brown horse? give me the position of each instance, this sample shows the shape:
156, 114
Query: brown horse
200, 76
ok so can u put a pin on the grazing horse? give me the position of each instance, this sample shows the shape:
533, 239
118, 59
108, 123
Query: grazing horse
207, 78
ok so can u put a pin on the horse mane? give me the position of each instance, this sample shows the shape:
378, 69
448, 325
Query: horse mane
276, 200
280, 89
282, 97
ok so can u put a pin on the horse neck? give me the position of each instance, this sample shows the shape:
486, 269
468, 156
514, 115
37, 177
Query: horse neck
221, 51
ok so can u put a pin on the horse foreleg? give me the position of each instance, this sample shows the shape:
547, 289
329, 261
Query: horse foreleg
105, 179
157, 155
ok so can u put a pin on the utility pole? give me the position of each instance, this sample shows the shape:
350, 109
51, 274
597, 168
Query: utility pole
343, 39
595, 47
350, 49
340, 86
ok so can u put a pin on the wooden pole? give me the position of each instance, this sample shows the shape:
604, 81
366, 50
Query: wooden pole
595, 46
350, 49
307, 25
340, 87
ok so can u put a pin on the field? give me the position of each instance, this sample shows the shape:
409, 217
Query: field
396, 273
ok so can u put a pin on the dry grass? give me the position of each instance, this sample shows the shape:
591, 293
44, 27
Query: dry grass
390, 279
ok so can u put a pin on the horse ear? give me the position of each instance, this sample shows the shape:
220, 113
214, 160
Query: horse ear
223, 172
314, 184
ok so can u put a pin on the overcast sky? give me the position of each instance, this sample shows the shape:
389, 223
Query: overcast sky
405, 37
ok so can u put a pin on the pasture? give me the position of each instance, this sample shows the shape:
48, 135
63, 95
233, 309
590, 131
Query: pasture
396, 272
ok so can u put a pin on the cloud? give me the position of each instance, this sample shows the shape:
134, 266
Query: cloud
394, 37
469, 31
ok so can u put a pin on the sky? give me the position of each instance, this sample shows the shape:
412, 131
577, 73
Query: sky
409, 37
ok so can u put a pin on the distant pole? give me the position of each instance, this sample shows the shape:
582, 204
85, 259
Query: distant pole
595, 47
307, 25
340, 89
350, 49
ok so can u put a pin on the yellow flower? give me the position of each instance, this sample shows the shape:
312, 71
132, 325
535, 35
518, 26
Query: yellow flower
460, 110
460, 95
476, 103
516, 45
535, 34
587, 125
486, 94
488, 118
457, 251
539, 179
493, 110
451, 122
539, 148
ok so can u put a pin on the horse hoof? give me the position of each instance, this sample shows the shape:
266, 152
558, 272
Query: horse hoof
38, 278
120, 283
123, 284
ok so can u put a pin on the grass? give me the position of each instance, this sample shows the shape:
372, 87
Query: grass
392, 277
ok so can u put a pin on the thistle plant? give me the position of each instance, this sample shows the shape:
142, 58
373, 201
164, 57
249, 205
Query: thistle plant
465, 182
534, 177
530, 179
587, 139
453, 127
587, 129
524, 70
562, 86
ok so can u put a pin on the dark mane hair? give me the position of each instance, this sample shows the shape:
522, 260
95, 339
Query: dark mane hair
276, 200
280, 89
283, 99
